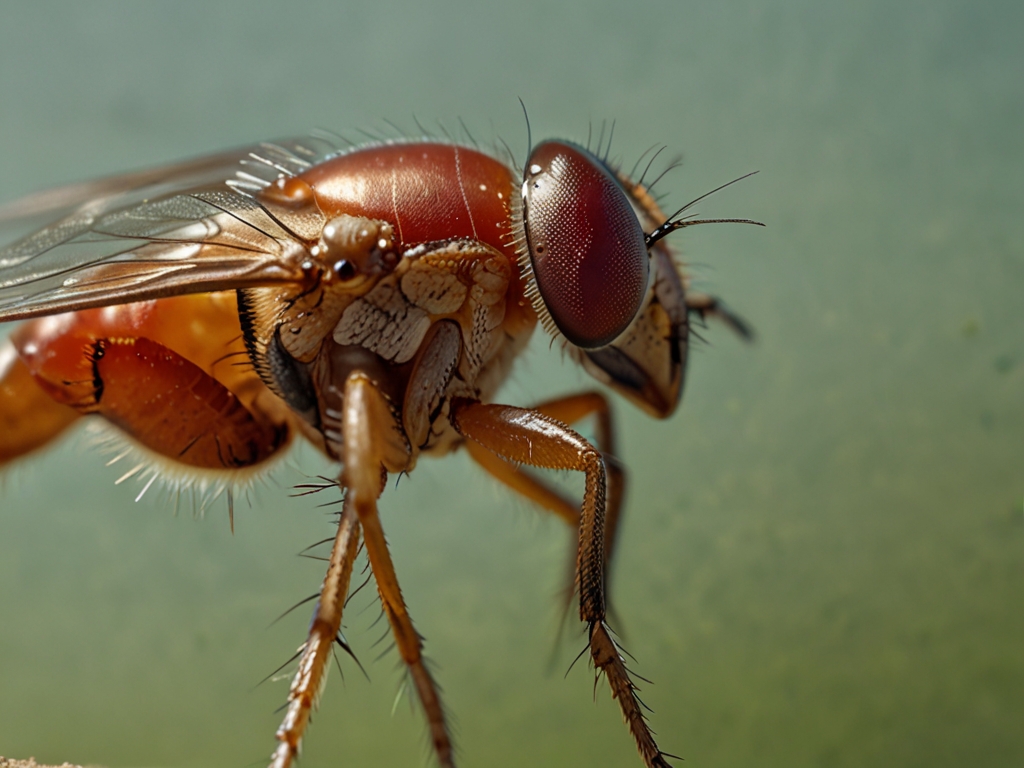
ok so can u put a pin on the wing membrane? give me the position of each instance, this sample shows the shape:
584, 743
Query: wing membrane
51, 204
188, 228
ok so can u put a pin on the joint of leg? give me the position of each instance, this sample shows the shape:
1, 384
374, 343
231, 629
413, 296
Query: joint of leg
602, 647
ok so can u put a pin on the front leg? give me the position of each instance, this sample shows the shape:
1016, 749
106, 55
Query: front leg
374, 444
315, 653
531, 438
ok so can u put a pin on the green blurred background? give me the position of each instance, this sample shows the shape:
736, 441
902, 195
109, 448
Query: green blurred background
822, 562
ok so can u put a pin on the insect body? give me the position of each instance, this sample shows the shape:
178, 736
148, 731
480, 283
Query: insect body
381, 294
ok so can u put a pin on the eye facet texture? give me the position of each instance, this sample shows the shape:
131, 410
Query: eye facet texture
586, 244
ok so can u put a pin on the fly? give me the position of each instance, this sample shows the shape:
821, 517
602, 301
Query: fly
382, 294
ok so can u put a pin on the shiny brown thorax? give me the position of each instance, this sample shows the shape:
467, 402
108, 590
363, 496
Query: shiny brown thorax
443, 319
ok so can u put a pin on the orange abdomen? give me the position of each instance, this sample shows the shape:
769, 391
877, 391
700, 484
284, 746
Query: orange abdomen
149, 368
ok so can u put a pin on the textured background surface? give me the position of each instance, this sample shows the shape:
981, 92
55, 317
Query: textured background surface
30, 763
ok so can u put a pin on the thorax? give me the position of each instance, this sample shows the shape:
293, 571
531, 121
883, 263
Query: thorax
438, 312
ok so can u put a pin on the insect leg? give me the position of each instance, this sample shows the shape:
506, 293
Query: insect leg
568, 410
314, 660
532, 438
707, 306
525, 484
374, 444
574, 408
29, 418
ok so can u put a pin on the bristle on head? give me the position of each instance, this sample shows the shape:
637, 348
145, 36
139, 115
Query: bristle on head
518, 239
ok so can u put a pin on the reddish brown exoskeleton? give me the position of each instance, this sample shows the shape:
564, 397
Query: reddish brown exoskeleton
381, 294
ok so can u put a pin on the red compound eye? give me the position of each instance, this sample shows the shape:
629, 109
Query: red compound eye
586, 244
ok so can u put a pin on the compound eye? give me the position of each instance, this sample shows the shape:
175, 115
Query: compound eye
586, 244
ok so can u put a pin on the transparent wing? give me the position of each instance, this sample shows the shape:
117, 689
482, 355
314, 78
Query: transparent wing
187, 228
52, 204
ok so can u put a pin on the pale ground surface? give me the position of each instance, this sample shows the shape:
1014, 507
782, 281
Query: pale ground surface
30, 763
